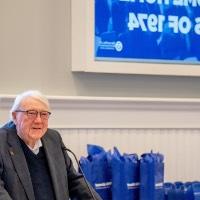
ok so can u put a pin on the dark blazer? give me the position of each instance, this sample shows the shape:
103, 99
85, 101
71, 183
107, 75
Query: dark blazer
15, 180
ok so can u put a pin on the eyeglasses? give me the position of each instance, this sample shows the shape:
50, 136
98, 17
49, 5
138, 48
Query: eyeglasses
32, 114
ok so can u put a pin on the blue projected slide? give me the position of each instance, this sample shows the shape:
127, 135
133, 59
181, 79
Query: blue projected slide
148, 30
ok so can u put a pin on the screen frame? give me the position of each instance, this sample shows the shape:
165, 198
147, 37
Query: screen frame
82, 50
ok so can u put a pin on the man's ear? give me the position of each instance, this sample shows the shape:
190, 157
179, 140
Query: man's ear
14, 116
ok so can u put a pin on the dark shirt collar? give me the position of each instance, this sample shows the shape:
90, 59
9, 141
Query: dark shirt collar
9, 125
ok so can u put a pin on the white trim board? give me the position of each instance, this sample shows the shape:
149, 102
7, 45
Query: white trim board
117, 112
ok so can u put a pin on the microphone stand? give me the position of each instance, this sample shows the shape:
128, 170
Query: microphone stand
85, 180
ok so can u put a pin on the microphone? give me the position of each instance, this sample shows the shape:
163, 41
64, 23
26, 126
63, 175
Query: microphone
79, 166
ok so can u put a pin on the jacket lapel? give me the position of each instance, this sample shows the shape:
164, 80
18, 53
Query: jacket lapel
19, 162
55, 167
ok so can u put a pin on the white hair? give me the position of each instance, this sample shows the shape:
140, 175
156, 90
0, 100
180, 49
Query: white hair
30, 93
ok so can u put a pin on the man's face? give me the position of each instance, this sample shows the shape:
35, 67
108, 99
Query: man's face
31, 128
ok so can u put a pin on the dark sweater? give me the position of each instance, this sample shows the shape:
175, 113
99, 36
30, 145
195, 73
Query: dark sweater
40, 175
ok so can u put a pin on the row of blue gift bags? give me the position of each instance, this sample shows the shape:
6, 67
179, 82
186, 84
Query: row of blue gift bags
182, 191
114, 176
151, 176
174, 191
97, 170
125, 176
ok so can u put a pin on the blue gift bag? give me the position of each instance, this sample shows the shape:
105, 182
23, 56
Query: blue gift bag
196, 190
86, 166
169, 191
179, 190
97, 171
119, 187
188, 191
132, 175
125, 176
151, 177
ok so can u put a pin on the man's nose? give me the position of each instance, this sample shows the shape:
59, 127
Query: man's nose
38, 118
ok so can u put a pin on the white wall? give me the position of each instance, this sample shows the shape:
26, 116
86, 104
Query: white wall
35, 53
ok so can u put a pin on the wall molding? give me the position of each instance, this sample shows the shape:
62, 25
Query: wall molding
117, 112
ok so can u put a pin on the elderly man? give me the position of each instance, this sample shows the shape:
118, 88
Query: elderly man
33, 161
